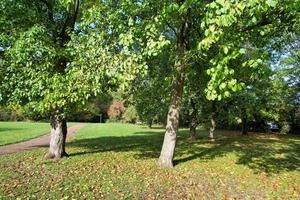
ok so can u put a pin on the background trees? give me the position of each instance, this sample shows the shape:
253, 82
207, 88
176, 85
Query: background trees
285, 83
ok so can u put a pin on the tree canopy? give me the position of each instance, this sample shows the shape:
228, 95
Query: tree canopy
56, 55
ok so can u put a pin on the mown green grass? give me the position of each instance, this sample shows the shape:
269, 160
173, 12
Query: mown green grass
13, 132
119, 161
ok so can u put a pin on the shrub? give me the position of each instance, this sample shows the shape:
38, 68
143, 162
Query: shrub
130, 115
285, 128
116, 110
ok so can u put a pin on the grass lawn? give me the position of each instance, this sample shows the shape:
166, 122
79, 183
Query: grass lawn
13, 132
119, 161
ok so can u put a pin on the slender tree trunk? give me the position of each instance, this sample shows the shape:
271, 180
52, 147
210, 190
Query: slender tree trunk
212, 126
212, 120
58, 136
150, 123
193, 131
168, 148
193, 119
244, 125
293, 127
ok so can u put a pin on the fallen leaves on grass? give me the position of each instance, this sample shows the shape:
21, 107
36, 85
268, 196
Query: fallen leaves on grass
118, 168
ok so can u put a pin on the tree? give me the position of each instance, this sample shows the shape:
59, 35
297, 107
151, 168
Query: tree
286, 83
270, 94
193, 119
130, 115
50, 62
95, 110
116, 110
150, 91
225, 25
36, 58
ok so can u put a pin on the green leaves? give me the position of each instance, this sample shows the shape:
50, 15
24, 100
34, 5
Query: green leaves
272, 3
225, 50
116, 42
48, 69
219, 15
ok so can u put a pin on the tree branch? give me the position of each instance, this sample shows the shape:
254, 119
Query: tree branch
70, 21
49, 9
172, 28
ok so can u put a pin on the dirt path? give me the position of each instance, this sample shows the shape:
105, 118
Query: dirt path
42, 141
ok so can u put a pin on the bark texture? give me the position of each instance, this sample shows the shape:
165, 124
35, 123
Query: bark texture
167, 152
212, 126
58, 136
168, 148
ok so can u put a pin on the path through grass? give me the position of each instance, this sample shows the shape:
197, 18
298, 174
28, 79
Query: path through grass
13, 132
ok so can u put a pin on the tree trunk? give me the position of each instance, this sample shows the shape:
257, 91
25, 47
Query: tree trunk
212, 126
193, 120
168, 148
150, 123
244, 126
193, 132
212, 120
167, 152
58, 137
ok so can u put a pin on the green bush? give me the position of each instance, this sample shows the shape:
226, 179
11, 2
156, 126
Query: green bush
130, 115
12, 113
285, 128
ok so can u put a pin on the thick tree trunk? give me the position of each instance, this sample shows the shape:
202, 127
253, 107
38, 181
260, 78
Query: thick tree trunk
167, 152
193, 120
168, 148
58, 137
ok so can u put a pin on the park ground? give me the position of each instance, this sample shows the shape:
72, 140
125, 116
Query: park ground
119, 161
12, 132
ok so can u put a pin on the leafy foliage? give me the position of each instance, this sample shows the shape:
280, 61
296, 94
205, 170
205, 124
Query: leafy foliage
130, 115
116, 110
46, 64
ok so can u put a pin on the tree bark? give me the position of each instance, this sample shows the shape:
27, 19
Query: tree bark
244, 125
212, 120
168, 148
193, 119
167, 152
212, 126
69, 23
58, 136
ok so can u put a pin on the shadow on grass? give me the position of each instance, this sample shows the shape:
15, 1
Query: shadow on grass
266, 154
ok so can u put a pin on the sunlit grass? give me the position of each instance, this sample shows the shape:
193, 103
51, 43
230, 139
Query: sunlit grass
119, 161
13, 132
